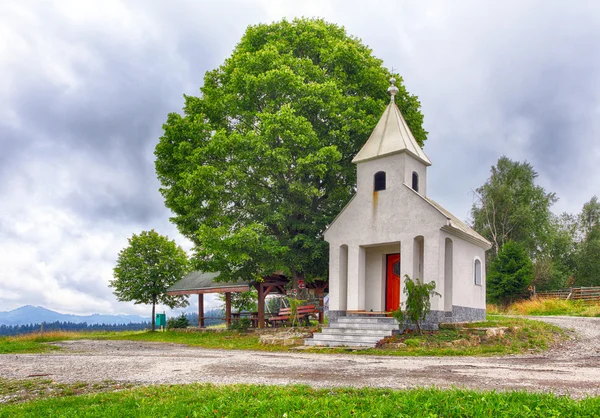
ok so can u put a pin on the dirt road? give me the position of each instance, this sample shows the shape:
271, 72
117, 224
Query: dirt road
573, 368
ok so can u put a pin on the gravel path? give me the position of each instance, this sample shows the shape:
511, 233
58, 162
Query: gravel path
572, 368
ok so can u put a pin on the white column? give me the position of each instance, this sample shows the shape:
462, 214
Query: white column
406, 266
356, 278
334, 278
432, 269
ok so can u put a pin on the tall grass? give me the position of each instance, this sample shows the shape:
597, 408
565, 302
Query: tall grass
542, 306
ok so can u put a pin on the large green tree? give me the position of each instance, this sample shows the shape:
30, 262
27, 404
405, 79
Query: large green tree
511, 207
588, 249
588, 259
146, 268
589, 217
260, 162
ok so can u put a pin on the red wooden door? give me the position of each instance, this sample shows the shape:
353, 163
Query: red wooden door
392, 288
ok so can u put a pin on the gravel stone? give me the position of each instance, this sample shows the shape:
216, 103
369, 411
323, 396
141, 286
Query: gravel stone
571, 368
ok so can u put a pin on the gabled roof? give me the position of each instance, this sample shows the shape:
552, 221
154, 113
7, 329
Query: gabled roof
456, 226
391, 136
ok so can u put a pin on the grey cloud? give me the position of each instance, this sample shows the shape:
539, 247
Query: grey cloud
90, 96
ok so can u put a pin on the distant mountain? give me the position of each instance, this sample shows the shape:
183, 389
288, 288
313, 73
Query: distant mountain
36, 314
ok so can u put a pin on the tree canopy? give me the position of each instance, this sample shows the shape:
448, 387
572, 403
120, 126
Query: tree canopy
511, 207
146, 268
260, 162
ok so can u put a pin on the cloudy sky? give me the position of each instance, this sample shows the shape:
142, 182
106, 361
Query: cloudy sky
86, 85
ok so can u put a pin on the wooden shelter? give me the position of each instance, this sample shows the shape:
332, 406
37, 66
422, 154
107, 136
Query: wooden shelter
199, 283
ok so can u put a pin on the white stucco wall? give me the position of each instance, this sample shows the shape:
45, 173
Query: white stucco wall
410, 165
464, 290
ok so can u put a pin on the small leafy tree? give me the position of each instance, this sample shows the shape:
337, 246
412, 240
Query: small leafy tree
146, 268
243, 301
294, 304
418, 301
510, 274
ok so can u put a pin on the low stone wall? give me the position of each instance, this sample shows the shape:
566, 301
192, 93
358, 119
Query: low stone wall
284, 338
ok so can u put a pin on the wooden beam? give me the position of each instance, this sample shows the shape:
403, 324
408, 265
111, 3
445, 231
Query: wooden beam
201, 310
261, 305
228, 308
210, 290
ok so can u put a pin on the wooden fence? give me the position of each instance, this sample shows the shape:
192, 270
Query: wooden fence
586, 294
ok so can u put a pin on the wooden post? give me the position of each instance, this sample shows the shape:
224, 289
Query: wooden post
261, 305
321, 293
228, 308
201, 310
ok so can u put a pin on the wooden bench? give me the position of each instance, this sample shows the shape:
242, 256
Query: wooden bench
304, 314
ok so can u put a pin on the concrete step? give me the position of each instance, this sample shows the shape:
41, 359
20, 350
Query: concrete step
356, 331
362, 325
348, 338
366, 320
318, 343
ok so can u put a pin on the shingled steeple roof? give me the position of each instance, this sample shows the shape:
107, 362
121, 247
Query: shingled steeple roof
391, 136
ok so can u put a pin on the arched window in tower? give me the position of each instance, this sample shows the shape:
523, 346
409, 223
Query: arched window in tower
415, 181
379, 181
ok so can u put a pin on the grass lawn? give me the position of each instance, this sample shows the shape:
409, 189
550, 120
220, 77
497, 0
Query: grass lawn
548, 307
299, 401
522, 336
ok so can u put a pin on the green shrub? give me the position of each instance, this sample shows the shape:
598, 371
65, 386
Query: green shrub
511, 273
418, 302
240, 325
179, 322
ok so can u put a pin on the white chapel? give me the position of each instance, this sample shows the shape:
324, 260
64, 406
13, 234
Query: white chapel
391, 228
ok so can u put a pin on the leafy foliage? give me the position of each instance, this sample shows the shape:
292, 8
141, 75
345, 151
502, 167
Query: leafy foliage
511, 207
241, 325
418, 302
146, 268
588, 259
242, 301
510, 274
260, 163
177, 323
589, 218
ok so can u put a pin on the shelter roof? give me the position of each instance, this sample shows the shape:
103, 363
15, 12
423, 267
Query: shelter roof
202, 282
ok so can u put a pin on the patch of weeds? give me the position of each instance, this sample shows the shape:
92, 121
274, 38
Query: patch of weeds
18, 391
508, 336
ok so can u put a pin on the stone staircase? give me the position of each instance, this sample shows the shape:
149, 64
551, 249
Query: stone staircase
354, 331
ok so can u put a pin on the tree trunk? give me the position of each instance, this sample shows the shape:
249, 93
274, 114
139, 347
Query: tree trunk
153, 316
296, 276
